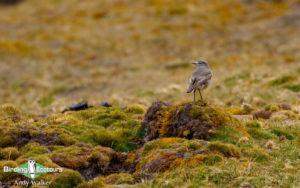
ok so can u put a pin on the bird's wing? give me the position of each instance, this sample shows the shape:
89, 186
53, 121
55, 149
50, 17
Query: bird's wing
197, 81
194, 83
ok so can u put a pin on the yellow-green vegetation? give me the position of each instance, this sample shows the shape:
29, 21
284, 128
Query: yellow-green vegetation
121, 178
133, 53
240, 150
110, 127
67, 179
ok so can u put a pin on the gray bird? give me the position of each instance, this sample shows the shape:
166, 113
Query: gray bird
201, 78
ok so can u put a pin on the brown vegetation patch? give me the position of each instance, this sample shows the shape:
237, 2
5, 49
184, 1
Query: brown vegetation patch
91, 163
262, 114
192, 121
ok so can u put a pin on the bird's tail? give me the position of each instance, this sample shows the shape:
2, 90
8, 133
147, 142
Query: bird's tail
32, 176
190, 90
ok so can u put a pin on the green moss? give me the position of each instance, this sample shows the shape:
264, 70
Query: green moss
6, 176
226, 149
231, 81
213, 159
151, 145
9, 110
194, 145
143, 93
118, 179
279, 132
125, 146
66, 139
298, 140
33, 148
196, 111
259, 134
104, 137
220, 177
258, 181
139, 132
46, 101
67, 179
118, 115
293, 87
136, 109
253, 124
256, 154
226, 134
6, 140
9, 153
105, 122
272, 108
283, 80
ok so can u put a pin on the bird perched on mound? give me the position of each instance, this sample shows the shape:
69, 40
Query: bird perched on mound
201, 78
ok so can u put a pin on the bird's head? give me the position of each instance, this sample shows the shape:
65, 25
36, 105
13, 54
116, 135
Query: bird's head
200, 63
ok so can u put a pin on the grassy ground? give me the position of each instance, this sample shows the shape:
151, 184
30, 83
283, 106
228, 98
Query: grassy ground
60, 52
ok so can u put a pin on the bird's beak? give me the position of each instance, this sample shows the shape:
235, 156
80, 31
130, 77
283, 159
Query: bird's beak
194, 63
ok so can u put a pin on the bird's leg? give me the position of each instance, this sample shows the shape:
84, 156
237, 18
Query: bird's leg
200, 94
194, 96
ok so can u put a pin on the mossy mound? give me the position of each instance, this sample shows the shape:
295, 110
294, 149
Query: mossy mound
67, 179
165, 154
191, 121
111, 127
89, 161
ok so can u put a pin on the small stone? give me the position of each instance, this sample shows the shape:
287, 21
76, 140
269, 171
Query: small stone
105, 104
79, 106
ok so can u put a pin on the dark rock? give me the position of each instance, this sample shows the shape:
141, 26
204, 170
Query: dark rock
77, 107
105, 104
262, 114
43, 115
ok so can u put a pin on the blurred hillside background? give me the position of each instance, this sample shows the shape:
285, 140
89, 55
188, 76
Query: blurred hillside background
57, 52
